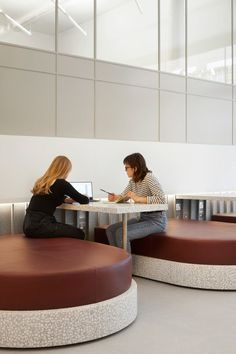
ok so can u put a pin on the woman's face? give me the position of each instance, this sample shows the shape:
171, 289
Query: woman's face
129, 170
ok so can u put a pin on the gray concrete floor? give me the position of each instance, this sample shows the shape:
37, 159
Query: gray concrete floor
171, 320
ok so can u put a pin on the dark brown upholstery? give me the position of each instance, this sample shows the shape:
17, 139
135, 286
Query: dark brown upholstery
188, 241
38, 274
225, 217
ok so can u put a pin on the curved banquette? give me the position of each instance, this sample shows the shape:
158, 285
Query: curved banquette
224, 217
190, 253
62, 290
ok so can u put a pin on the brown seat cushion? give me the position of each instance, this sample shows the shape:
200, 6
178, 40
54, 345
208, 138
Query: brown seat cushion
188, 241
38, 274
225, 217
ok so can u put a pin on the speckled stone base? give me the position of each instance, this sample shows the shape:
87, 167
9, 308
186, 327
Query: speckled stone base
218, 277
48, 328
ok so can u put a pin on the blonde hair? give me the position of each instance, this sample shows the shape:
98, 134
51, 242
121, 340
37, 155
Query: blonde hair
59, 168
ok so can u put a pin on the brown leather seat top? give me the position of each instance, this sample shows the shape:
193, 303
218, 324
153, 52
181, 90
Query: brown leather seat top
225, 217
189, 241
38, 274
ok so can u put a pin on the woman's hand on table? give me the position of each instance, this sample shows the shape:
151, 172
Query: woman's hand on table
68, 200
112, 197
136, 198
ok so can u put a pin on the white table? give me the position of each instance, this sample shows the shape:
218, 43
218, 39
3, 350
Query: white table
115, 208
188, 205
230, 195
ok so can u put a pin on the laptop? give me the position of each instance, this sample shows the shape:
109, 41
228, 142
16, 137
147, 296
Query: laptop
85, 188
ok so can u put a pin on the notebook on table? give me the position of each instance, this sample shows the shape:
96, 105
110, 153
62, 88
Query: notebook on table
85, 188
121, 199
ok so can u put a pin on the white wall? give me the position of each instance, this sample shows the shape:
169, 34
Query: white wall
38, 40
181, 168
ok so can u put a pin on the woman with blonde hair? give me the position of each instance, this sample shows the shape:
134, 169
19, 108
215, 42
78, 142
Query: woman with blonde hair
49, 191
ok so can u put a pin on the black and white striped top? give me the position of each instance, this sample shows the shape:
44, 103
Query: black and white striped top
149, 187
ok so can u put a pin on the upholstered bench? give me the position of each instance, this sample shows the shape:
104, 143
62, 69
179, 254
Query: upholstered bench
225, 217
62, 291
200, 254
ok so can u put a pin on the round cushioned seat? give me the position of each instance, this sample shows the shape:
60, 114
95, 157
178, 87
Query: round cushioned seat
199, 254
191, 253
38, 274
44, 279
189, 241
224, 217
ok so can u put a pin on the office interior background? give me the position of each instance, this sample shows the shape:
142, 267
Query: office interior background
97, 80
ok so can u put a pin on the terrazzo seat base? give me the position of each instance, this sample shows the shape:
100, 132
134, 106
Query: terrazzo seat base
62, 291
198, 254
202, 276
48, 328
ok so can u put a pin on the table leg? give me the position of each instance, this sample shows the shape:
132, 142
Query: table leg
87, 237
83, 223
124, 230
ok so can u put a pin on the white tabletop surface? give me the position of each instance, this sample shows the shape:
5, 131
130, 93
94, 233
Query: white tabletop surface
114, 208
230, 195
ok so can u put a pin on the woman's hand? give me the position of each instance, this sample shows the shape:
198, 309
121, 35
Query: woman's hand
132, 196
136, 198
112, 197
68, 200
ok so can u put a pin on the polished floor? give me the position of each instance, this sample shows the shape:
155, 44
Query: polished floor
171, 320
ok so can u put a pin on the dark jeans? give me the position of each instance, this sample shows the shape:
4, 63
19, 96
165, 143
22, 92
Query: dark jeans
147, 224
40, 225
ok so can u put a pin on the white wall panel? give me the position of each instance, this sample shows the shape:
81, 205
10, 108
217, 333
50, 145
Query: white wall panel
29, 59
181, 168
209, 89
172, 117
234, 123
209, 120
172, 82
27, 101
75, 113
234, 92
74, 66
126, 112
126, 75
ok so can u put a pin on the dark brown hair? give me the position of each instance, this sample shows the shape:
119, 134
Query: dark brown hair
137, 162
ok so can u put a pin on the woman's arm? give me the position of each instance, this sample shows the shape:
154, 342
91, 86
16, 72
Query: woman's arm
136, 198
157, 194
112, 197
71, 192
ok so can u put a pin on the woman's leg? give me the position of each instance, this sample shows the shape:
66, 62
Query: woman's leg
63, 230
37, 224
145, 227
139, 229
112, 230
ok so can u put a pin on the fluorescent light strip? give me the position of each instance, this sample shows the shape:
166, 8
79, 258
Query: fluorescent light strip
15, 23
71, 19
139, 6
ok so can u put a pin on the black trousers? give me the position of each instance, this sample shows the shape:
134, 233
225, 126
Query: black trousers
40, 225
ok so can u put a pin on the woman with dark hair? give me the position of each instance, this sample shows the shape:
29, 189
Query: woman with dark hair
50, 191
143, 188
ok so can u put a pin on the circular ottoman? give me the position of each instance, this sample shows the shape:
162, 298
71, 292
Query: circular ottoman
198, 254
62, 291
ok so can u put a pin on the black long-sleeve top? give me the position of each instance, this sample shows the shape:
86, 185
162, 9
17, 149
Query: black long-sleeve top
60, 189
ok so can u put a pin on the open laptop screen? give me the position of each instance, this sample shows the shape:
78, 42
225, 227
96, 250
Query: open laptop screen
85, 188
